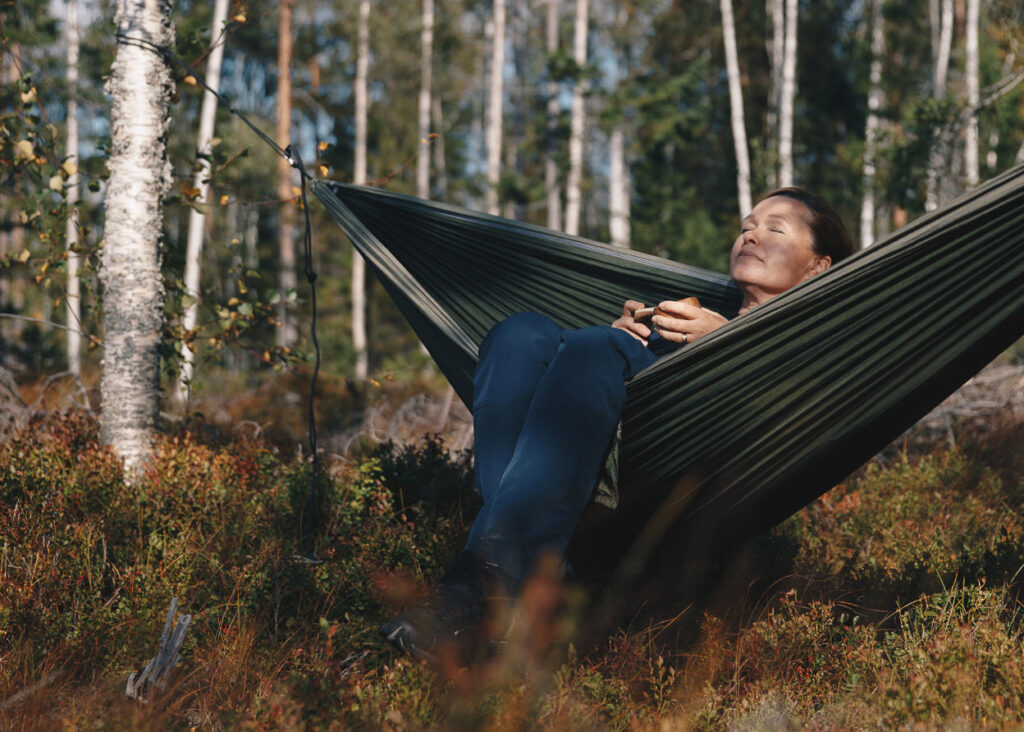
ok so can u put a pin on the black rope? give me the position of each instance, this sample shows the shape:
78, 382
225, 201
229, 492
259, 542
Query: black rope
292, 156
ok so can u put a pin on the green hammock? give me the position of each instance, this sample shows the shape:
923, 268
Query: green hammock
742, 428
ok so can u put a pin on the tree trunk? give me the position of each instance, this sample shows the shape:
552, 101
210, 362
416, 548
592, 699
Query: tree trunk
973, 95
573, 197
287, 280
776, 10
618, 189
739, 131
867, 208
788, 97
936, 156
140, 88
196, 220
73, 301
426, 69
495, 97
440, 167
362, 367
551, 188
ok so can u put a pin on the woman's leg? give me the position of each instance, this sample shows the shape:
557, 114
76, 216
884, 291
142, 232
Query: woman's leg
513, 358
565, 434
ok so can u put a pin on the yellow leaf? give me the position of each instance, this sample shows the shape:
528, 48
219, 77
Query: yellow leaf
24, 256
322, 146
188, 191
375, 383
224, 200
23, 150
266, 356
29, 96
39, 160
70, 167
296, 191
56, 183
323, 171
234, 302
239, 18
190, 80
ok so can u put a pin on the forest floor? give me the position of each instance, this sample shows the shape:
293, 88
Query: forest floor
894, 600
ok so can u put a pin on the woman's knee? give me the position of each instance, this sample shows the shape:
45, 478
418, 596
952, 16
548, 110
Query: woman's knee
607, 345
521, 331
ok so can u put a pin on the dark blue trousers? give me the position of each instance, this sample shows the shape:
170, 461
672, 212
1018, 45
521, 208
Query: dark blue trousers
546, 403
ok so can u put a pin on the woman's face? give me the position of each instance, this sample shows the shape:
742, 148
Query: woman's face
774, 250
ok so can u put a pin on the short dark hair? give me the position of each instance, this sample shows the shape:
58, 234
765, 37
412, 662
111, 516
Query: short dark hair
831, 239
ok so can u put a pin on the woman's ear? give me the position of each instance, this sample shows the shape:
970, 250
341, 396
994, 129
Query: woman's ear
820, 265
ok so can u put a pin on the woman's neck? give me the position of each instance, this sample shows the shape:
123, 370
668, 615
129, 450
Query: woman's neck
752, 297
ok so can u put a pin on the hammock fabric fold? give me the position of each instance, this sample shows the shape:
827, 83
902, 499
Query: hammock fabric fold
747, 425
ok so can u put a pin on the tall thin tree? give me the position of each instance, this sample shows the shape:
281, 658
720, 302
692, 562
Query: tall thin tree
867, 208
973, 94
286, 278
788, 97
140, 89
573, 195
618, 188
776, 10
73, 307
552, 192
426, 71
201, 181
739, 130
495, 97
936, 155
362, 366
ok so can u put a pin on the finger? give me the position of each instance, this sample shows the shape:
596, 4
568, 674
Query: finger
640, 329
680, 309
667, 322
631, 306
673, 336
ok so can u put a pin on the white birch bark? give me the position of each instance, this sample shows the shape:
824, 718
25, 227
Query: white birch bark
618, 193
362, 366
426, 70
573, 197
494, 107
286, 277
140, 89
867, 208
440, 167
973, 94
788, 97
196, 220
776, 10
936, 156
739, 132
73, 303
551, 187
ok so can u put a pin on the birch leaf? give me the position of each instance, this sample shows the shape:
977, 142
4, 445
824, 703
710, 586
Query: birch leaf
56, 183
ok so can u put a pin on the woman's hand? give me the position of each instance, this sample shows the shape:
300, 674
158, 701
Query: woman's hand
634, 327
680, 322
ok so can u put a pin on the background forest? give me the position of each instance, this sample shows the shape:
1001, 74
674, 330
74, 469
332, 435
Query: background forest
650, 124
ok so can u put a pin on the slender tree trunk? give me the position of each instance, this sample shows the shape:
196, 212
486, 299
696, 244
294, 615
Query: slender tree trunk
973, 95
140, 88
618, 193
440, 167
739, 131
287, 279
196, 220
426, 69
788, 98
362, 367
551, 187
573, 196
776, 10
73, 301
867, 208
936, 156
495, 97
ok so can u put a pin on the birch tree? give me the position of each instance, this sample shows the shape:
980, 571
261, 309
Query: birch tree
140, 89
494, 107
573, 197
362, 366
788, 96
201, 182
936, 156
426, 69
551, 187
73, 307
739, 131
287, 279
973, 94
776, 10
618, 189
867, 209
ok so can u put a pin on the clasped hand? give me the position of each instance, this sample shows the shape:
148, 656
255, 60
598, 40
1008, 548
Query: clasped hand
675, 321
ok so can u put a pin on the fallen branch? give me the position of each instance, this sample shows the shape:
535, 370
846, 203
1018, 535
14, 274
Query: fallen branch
158, 669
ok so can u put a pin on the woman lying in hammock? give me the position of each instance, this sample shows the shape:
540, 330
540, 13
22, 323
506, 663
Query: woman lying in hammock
546, 403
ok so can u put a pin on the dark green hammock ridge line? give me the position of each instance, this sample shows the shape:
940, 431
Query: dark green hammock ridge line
744, 427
